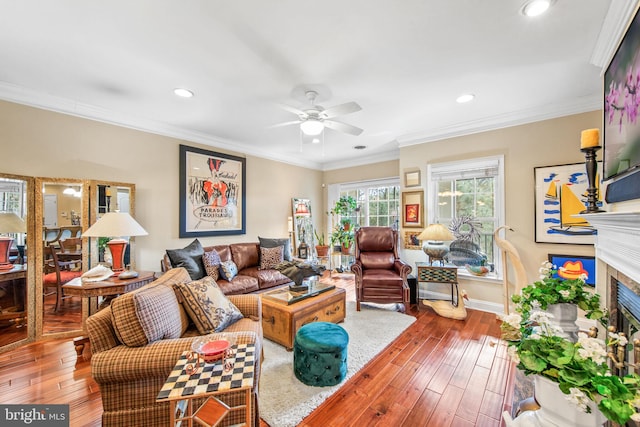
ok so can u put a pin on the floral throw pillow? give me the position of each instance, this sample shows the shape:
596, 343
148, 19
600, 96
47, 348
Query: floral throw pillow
228, 270
211, 261
270, 257
207, 306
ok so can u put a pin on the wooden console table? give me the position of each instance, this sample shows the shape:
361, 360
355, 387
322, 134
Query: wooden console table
108, 288
17, 311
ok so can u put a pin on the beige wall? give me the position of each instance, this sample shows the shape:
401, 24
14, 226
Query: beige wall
546, 143
42, 143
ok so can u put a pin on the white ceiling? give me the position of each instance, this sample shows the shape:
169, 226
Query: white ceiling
404, 62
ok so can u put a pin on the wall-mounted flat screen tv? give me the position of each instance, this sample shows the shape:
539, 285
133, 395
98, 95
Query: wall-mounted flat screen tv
621, 105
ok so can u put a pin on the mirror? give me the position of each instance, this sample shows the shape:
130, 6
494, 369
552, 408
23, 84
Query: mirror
61, 216
108, 196
17, 272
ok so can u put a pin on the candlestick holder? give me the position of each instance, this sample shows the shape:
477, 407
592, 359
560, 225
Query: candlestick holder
592, 190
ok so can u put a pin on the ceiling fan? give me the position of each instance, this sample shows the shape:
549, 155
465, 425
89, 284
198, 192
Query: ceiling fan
314, 119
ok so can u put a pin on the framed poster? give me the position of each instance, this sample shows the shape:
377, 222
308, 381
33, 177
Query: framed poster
560, 192
572, 267
412, 209
411, 240
212, 193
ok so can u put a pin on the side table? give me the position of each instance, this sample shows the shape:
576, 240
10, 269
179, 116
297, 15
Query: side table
213, 382
439, 274
108, 288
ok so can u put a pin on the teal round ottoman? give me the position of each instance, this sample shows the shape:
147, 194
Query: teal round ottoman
320, 354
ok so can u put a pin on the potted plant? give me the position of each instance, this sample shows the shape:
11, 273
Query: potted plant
321, 248
578, 370
344, 206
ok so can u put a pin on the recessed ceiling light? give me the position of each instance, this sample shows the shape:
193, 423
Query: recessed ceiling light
536, 7
183, 93
465, 98
315, 141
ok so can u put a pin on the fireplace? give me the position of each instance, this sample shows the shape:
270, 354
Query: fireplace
618, 276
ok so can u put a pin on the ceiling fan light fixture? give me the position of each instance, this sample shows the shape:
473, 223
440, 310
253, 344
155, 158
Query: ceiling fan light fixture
312, 127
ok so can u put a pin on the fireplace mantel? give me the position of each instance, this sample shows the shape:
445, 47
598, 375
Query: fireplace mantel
618, 240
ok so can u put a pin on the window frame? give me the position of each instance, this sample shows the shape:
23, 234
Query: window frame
460, 166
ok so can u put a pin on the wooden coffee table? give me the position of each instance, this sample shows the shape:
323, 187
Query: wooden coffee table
284, 312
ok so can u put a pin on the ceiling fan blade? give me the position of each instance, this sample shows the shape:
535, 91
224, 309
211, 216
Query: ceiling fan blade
342, 127
340, 110
293, 110
279, 125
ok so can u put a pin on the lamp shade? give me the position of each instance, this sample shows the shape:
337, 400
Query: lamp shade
11, 223
436, 232
115, 224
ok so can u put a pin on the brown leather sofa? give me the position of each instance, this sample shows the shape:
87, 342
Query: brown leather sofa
380, 275
250, 278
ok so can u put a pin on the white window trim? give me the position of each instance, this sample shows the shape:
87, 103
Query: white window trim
478, 163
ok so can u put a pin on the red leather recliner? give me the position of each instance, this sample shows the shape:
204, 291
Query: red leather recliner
381, 277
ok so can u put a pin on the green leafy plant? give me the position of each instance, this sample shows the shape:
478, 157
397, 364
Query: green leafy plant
580, 368
552, 290
344, 206
319, 237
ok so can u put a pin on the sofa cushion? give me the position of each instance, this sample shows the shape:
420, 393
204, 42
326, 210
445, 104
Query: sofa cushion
211, 261
209, 309
189, 257
241, 284
270, 257
228, 270
146, 315
267, 242
245, 255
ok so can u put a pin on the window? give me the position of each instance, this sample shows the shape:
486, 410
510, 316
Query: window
472, 188
378, 201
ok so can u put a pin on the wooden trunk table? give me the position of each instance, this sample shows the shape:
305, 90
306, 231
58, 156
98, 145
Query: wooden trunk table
284, 312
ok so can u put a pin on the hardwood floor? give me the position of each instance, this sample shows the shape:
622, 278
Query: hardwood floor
439, 372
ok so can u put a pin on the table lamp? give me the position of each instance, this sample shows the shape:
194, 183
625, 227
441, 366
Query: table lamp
116, 225
434, 237
9, 223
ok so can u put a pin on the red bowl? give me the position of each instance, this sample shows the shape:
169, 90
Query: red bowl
214, 350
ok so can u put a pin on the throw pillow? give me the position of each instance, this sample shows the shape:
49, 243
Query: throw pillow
209, 309
270, 257
146, 315
272, 243
211, 261
189, 257
228, 270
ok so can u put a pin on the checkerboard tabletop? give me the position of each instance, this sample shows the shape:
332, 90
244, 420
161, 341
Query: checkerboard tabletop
210, 377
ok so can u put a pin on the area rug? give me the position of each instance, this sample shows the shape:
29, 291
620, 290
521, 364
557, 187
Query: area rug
285, 401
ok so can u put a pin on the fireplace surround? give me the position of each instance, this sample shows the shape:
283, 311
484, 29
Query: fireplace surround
618, 270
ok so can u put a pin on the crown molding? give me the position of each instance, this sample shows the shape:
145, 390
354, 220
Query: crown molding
32, 98
614, 26
500, 121
362, 160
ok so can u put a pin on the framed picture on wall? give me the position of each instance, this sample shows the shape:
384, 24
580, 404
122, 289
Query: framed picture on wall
412, 209
573, 266
412, 179
212, 193
411, 240
559, 194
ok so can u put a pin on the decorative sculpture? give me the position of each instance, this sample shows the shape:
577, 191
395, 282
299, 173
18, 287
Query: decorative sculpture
521, 275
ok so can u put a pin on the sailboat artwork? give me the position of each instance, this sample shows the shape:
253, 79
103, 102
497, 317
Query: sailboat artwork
562, 191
